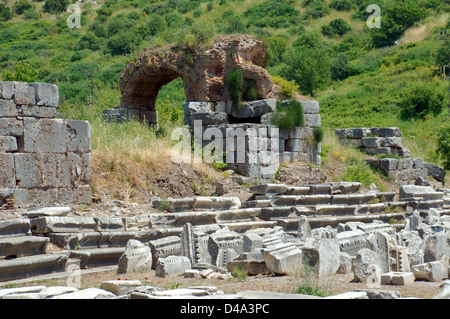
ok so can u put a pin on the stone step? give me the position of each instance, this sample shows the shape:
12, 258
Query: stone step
179, 219
426, 192
284, 212
29, 266
336, 210
62, 224
256, 203
14, 227
97, 257
242, 227
291, 224
427, 204
243, 214
23, 246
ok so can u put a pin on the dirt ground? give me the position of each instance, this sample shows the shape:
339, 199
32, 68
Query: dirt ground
334, 285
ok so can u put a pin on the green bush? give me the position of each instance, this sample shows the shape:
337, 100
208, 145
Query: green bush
443, 146
318, 134
421, 100
235, 85
307, 64
342, 5
122, 43
358, 170
5, 13
21, 6
55, 6
156, 24
340, 67
397, 17
336, 27
272, 13
287, 88
24, 73
286, 117
31, 14
87, 41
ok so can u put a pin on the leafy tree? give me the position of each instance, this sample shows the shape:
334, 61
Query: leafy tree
340, 67
21, 6
442, 55
87, 41
443, 146
342, 5
420, 100
24, 73
55, 6
156, 24
336, 27
277, 45
308, 64
5, 13
398, 17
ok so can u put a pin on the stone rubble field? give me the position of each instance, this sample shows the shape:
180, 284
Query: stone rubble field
380, 238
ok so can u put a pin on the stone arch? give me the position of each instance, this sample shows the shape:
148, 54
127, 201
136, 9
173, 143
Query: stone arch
204, 78
141, 81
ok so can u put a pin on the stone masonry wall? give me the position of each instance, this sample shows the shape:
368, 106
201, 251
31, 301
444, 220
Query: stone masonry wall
43, 160
296, 144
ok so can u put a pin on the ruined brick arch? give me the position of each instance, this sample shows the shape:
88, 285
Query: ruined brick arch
204, 76
141, 81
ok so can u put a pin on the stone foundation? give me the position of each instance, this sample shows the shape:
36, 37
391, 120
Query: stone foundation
43, 160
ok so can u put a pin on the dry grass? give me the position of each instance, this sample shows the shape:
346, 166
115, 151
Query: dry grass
419, 33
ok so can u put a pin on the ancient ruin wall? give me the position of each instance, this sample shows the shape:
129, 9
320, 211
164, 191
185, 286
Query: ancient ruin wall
43, 160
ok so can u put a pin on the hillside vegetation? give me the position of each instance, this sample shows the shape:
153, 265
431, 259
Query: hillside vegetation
361, 76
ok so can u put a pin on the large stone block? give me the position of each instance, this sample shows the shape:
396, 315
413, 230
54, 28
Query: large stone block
431, 271
310, 107
137, 258
8, 108
6, 90
46, 94
24, 94
366, 266
78, 136
28, 172
283, 258
44, 135
254, 109
11, 127
323, 256
312, 120
7, 171
172, 266
38, 111
8, 144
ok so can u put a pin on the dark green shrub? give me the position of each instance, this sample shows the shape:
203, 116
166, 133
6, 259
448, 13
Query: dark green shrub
290, 115
318, 134
336, 27
122, 43
396, 18
308, 65
442, 55
24, 73
272, 13
421, 100
340, 67
316, 9
235, 85
156, 24
342, 5
5, 13
443, 146
277, 45
21, 6
31, 14
87, 41
55, 6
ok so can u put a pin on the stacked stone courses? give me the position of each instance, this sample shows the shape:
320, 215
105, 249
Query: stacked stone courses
43, 159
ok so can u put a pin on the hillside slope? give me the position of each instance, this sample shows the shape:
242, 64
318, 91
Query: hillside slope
324, 46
